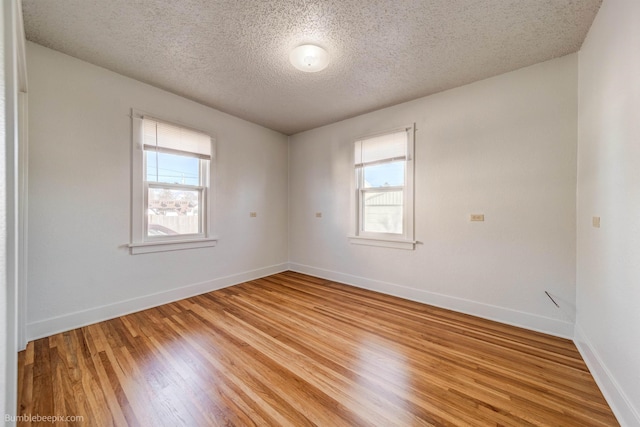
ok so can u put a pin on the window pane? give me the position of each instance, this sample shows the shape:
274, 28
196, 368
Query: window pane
172, 168
173, 212
382, 211
384, 175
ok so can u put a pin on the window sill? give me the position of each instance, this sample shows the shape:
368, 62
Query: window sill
170, 245
387, 243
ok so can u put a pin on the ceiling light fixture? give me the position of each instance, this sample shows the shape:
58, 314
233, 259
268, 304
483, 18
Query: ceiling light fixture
309, 58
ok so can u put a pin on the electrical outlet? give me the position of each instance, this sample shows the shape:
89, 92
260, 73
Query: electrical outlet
253, 214
318, 214
477, 217
595, 221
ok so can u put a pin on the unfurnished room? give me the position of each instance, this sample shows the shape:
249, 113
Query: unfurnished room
320, 213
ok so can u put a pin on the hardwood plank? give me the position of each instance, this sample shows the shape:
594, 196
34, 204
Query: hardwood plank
296, 350
43, 377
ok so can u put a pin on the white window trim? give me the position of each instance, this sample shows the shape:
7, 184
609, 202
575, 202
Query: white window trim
139, 243
388, 240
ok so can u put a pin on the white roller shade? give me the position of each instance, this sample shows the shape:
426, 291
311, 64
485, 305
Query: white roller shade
383, 148
165, 137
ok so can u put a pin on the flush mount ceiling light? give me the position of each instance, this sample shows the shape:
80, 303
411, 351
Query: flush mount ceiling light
309, 58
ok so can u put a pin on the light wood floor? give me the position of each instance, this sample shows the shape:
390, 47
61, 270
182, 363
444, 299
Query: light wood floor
294, 350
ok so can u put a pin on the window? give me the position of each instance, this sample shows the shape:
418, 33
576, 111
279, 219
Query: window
383, 196
171, 186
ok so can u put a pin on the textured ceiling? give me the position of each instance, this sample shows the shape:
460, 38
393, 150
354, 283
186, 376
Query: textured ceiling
233, 55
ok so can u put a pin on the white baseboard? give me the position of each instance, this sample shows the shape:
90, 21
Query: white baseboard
521, 319
67, 322
621, 406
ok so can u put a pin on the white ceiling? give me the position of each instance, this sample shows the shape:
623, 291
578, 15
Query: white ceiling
233, 55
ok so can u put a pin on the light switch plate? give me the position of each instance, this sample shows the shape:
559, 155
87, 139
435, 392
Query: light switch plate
595, 221
253, 214
477, 217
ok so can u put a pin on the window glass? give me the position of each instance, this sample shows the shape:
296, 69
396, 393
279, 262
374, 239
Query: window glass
172, 168
172, 212
384, 175
382, 212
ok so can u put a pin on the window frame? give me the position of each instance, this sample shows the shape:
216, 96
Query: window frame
372, 238
140, 242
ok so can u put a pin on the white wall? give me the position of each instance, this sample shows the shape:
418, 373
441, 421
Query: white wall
80, 270
504, 147
608, 258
